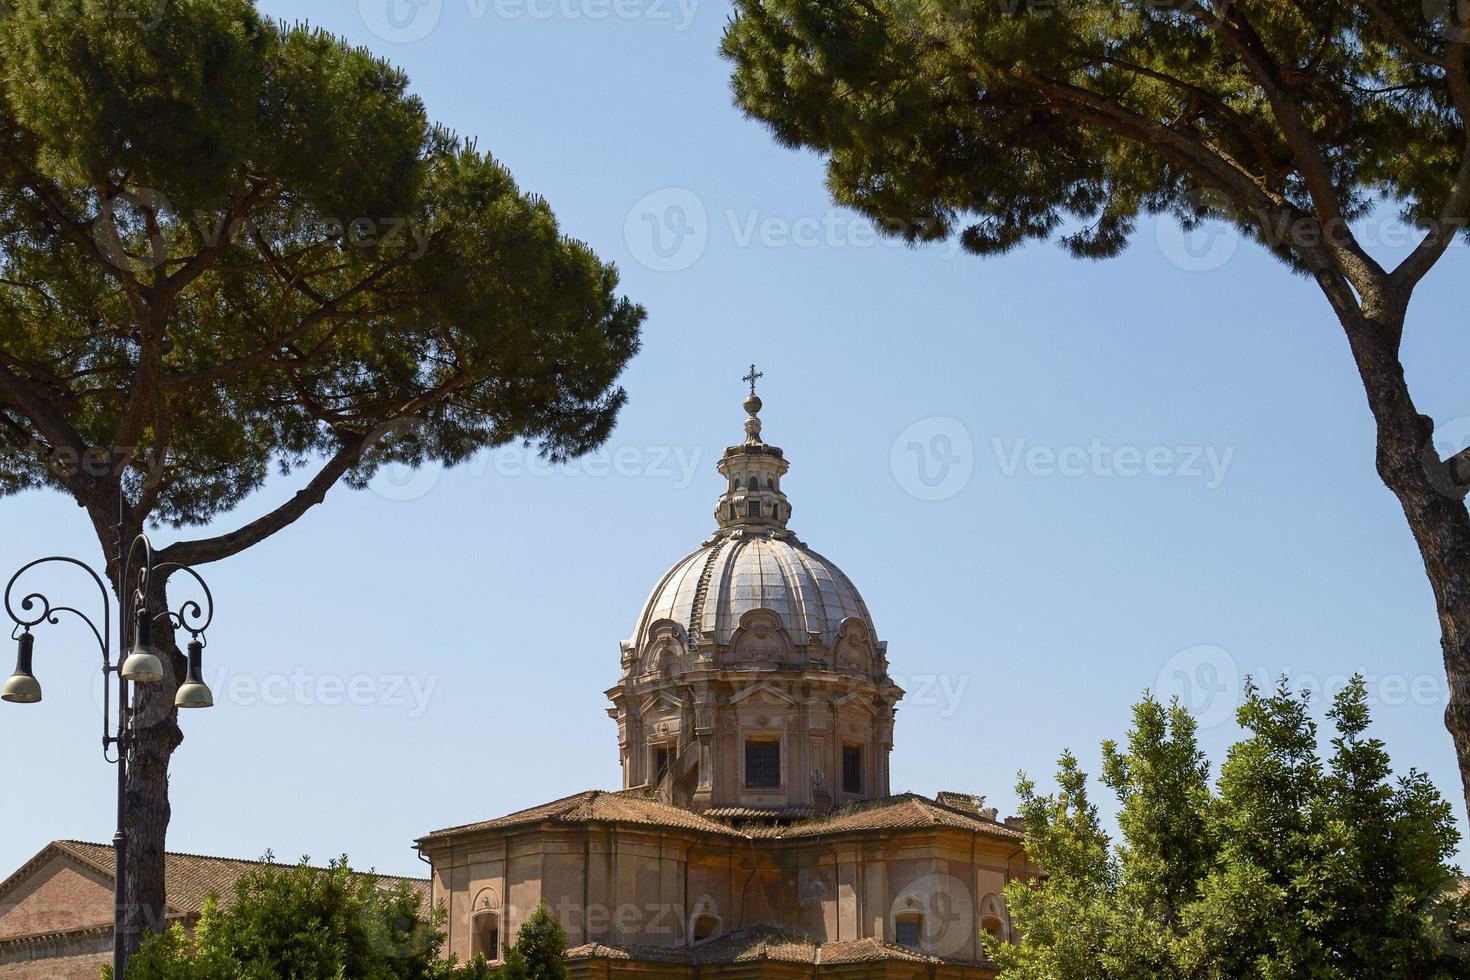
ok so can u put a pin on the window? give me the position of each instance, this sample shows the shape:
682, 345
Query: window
762, 763
754, 484
752, 508
906, 929
706, 926
487, 936
852, 769
663, 757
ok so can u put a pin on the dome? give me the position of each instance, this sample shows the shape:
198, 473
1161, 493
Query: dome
709, 591
752, 562
754, 678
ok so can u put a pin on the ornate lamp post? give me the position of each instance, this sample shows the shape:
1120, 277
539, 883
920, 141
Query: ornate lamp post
135, 569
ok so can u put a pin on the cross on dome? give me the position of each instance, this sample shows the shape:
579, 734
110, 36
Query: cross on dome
753, 377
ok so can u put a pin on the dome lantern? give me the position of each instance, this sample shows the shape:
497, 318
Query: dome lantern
752, 472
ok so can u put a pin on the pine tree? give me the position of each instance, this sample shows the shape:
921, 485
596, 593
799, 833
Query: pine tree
999, 123
231, 247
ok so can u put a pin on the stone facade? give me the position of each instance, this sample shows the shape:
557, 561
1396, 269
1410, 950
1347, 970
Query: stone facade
906, 880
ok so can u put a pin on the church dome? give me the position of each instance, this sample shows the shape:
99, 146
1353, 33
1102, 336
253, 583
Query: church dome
752, 562
754, 679
709, 591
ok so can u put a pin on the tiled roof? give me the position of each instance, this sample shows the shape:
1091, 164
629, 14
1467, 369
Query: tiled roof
760, 813
756, 945
599, 806
190, 878
905, 812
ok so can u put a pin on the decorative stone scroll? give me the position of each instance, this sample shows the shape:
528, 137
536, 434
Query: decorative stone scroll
760, 639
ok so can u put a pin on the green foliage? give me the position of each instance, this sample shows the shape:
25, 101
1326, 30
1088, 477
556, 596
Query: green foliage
540, 949
1291, 866
1024, 119
229, 246
305, 923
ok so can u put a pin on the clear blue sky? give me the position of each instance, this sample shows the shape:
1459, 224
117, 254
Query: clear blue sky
474, 616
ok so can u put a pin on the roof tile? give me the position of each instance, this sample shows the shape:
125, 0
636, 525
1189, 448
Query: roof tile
190, 878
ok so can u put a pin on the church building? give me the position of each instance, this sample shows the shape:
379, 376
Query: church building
756, 834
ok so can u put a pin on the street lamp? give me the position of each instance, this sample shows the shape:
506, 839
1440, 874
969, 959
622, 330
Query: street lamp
135, 569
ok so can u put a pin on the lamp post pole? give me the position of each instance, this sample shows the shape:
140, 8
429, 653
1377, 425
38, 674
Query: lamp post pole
135, 570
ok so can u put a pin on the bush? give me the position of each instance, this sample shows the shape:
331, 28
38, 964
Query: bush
305, 923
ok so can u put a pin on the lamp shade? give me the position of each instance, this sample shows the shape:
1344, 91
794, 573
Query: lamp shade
143, 665
194, 693
22, 687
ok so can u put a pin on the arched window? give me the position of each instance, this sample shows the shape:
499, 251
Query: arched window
770, 484
907, 927
487, 936
754, 484
706, 926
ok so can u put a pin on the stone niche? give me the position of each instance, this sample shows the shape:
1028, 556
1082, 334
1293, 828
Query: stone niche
666, 651
853, 650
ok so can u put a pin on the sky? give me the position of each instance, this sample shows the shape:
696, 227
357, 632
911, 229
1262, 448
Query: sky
1056, 483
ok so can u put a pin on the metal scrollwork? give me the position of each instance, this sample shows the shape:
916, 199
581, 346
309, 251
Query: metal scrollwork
191, 617
48, 613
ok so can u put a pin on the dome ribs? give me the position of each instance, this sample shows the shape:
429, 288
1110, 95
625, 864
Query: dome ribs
701, 591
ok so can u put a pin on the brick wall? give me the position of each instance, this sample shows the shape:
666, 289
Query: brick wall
59, 896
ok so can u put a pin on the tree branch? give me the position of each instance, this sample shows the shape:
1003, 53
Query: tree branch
195, 266
328, 309
1395, 30
204, 550
1452, 220
1242, 38
51, 423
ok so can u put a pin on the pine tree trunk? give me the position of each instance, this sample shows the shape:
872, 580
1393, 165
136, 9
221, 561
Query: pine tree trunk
156, 735
1434, 505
